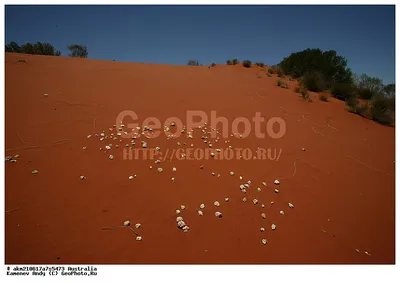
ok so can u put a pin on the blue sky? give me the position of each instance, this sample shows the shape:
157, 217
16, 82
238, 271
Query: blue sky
364, 35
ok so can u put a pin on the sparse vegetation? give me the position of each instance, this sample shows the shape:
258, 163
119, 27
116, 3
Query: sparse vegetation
268, 74
229, 62
323, 97
235, 61
282, 84
193, 63
246, 63
79, 51
213, 65
304, 93
271, 70
38, 48
260, 64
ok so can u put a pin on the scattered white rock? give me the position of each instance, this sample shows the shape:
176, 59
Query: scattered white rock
108, 147
262, 206
82, 177
174, 169
273, 227
89, 136
84, 147
242, 187
263, 215
262, 229
181, 224
276, 191
202, 206
291, 205
183, 207
216, 203
35, 172
259, 189
127, 223
255, 201
178, 211
227, 199
265, 184
179, 218
264, 241
131, 177
173, 179
185, 229
240, 177
160, 170
281, 212
157, 148
218, 214
45, 95
138, 225
232, 173
111, 157
200, 212
276, 182
244, 199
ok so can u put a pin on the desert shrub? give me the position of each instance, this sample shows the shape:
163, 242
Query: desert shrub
229, 62
260, 64
314, 81
193, 63
79, 51
235, 61
382, 110
352, 103
213, 65
280, 73
323, 97
342, 90
282, 84
303, 92
271, 70
246, 63
268, 74
333, 68
38, 48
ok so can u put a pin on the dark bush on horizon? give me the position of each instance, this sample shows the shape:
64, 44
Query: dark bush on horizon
235, 61
229, 62
246, 63
314, 81
331, 67
38, 48
260, 64
77, 50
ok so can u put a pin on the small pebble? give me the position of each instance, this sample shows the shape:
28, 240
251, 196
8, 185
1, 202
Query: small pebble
255, 201
291, 205
202, 206
45, 95
264, 241
84, 147
276, 182
160, 170
35, 171
259, 189
183, 207
273, 227
173, 179
244, 199
138, 225
276, 191
177, 211
262, 205
263, 215
281, 212
138, 238
179, 218
111, 157
265, 184
89, 136
216, 203
174, 169
226, 199
181, 224
127, 223
82, 177
231, 173
240, 177
130, 177
200, 212
185, 229
262, 229
218, 214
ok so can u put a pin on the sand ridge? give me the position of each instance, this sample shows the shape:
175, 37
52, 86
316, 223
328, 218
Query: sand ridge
341, 185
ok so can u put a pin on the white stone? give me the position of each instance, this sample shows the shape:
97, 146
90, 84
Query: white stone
276, 182
218, 214
216, 203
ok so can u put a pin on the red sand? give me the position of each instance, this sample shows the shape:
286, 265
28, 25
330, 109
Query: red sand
342, 186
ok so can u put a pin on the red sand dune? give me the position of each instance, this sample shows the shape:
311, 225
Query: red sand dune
342, 185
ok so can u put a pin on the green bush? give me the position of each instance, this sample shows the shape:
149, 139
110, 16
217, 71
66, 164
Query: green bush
323, 97
333, 68
382, 110
271, 71
229, 62
314, 81
247, 63
342, 90
38, 48
235, 61
282, 84
352, 102
213, 65
80, 51
260, 64
269, 74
